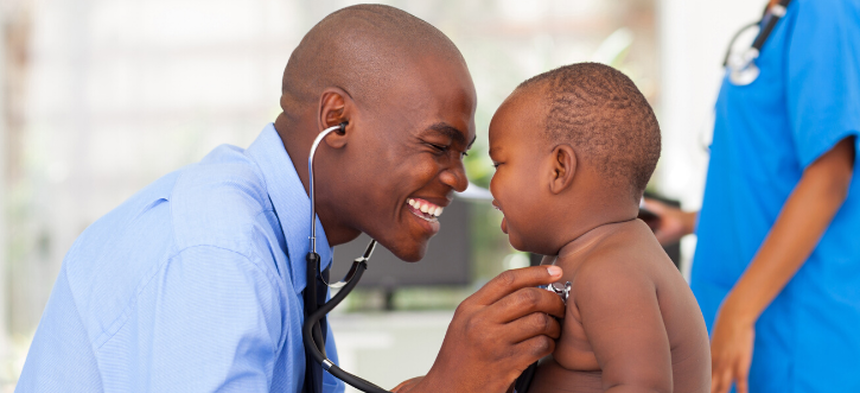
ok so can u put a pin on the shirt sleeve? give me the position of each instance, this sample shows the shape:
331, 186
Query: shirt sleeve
823, 75
213, 326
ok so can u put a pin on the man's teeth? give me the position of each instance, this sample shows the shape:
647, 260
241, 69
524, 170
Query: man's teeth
425, 207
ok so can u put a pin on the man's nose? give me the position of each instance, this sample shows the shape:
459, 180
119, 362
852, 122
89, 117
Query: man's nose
455, 176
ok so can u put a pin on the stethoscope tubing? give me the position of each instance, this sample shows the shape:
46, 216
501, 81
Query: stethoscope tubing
340, 127
312, 334
310, 331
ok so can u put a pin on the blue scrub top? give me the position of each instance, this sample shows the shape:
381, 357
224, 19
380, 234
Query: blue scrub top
806, 99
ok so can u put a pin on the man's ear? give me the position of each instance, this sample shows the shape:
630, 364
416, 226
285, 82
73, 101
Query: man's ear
563, 168
336, 107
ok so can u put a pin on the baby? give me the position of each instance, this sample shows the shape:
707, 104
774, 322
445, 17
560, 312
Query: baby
573, 150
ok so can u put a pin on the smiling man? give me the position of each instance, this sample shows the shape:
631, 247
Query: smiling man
195, 283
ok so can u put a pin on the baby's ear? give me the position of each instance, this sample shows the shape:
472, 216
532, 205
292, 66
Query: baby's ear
563, 168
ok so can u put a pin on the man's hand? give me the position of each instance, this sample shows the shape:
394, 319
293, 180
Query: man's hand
731, 350
497, 333
673, 223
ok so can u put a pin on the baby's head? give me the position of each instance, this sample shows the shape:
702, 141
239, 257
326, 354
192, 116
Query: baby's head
573, 148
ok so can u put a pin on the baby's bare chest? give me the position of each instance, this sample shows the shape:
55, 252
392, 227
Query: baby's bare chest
573, 350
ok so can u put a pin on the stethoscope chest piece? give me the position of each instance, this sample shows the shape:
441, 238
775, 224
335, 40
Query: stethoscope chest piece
563, 291
742, 68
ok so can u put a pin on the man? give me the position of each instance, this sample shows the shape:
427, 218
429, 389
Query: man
195, 283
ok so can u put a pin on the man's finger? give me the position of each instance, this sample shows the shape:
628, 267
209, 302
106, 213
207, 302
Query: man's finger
525, 301
530, 351
510, 281
532, 325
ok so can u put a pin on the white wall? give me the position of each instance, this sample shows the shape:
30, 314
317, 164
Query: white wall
693, 37
3, 237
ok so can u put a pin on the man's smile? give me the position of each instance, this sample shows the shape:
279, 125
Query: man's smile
424, 209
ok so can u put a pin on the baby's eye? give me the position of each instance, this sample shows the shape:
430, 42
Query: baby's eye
496, 165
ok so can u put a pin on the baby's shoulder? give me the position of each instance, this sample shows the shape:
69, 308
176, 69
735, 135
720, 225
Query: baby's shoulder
615, 267
632, 247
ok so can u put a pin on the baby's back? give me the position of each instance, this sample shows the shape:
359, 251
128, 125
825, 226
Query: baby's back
631, 319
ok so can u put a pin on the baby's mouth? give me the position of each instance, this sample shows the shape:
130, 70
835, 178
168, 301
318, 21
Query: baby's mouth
424, 209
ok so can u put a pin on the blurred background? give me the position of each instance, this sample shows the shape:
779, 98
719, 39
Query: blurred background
99, 98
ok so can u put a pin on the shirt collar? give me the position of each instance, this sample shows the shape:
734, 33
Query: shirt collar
291, 203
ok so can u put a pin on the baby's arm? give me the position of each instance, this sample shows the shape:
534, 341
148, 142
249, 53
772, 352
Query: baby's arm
619, 311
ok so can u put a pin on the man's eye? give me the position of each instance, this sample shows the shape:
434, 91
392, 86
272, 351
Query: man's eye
439, 148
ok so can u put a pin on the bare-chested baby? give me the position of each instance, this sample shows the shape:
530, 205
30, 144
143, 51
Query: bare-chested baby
573, 150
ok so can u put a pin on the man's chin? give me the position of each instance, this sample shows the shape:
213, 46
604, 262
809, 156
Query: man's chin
404, 243
413, 252
412, 256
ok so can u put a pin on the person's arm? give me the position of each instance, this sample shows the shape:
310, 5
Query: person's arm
619, 311
805, 216
672, 224
208, 321
495, 334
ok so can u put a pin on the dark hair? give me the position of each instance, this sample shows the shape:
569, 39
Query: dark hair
598, 110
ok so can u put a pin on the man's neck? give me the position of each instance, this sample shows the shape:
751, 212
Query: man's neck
291, 136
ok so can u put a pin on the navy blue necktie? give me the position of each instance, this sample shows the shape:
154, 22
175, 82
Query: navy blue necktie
313, 370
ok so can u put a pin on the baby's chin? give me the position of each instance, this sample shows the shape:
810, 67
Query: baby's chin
520, 244
534, 246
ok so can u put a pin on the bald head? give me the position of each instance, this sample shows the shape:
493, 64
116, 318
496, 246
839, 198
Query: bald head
361, 49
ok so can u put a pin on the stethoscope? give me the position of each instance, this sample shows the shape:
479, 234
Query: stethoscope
311, 330
741, 67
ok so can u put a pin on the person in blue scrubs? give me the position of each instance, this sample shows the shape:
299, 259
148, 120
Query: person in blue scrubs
777, 264
195, 283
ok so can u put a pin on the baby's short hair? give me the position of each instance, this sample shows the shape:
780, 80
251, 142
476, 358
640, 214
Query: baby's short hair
598, 110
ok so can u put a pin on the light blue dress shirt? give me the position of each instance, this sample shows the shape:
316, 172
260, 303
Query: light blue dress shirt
806, 99
192, 285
